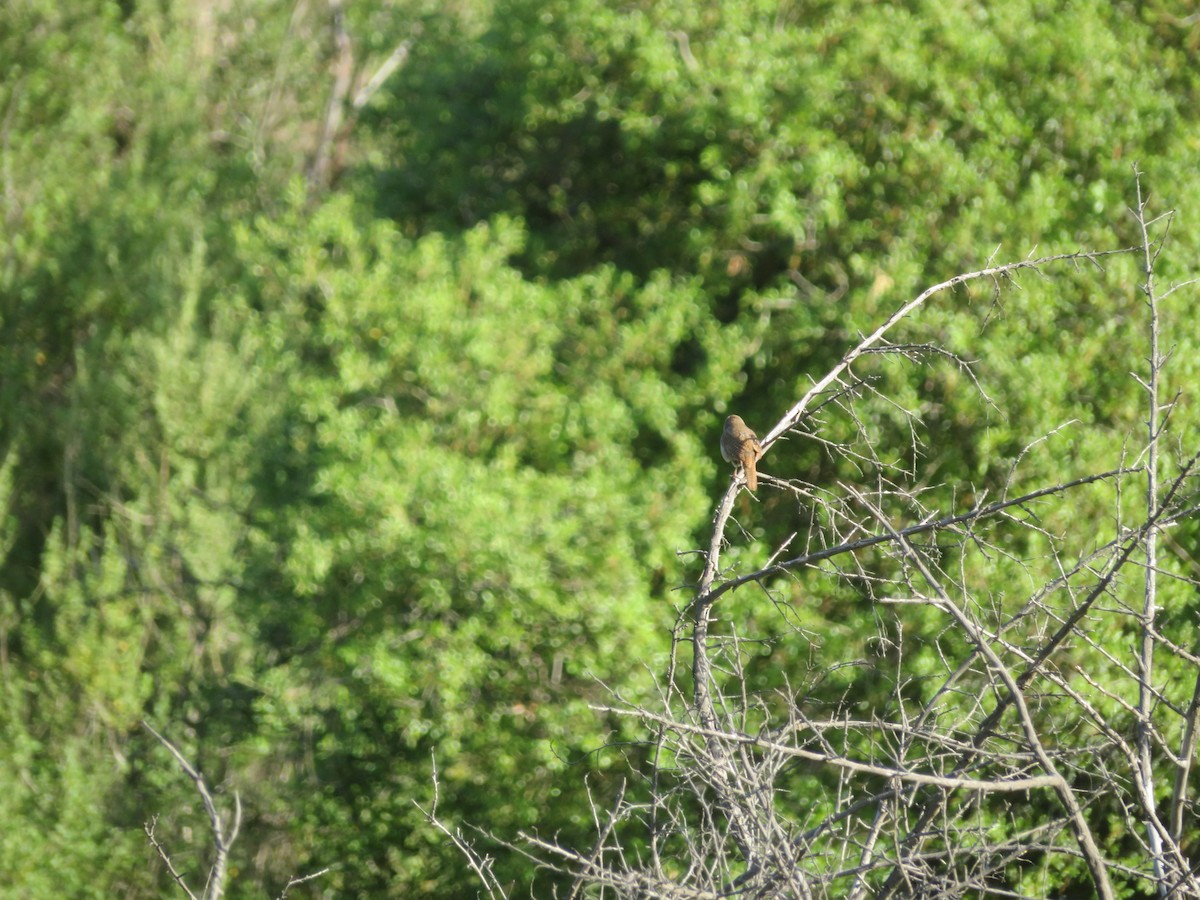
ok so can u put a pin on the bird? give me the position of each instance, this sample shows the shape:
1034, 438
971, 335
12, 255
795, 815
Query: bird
740, 446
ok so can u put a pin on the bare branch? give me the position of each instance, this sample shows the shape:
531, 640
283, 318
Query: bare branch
292, 882
222, 840
1011, 785
479, 864
796, 413
395, 60
1083, 833
1001, 712
162, 852
941, 524
319, 170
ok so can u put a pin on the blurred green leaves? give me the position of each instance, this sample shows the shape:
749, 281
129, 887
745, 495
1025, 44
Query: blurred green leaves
329, 486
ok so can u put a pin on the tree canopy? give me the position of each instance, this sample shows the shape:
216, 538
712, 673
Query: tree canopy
343, 480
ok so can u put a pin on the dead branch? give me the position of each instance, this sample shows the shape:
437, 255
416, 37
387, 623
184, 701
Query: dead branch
1033, 719
224, 833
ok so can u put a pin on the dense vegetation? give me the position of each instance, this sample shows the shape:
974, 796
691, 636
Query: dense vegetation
333, 478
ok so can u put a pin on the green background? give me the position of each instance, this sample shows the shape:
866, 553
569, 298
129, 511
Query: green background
331, 481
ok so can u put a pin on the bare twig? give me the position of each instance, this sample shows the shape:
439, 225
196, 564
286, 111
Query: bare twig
292, 882
224, 834
335, 109
1144, 772
165, 857
480, 865
395, 60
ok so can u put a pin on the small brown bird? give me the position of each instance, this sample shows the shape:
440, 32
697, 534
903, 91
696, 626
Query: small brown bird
740, 446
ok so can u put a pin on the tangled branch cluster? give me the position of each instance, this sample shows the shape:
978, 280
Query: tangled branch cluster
1010, 756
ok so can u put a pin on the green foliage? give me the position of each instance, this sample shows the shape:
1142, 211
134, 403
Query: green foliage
465, 513
334, 488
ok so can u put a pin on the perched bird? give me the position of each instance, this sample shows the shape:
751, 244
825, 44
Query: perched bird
740, 446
